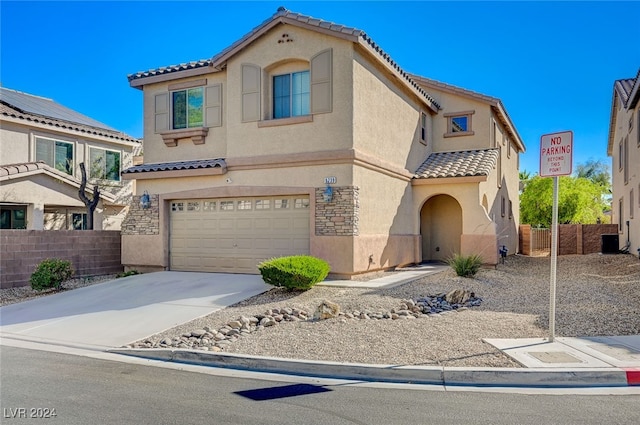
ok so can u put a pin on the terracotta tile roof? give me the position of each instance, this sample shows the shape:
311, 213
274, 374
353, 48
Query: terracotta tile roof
178, 165
628, 89
171, 68
624, 87
286, 16
24, 169
30, 108
458, 164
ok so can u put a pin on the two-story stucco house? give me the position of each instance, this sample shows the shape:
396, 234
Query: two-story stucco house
624, 149
42, 146
305, 137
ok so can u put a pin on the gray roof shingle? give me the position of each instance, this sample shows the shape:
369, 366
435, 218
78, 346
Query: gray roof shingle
458, 164
178, 165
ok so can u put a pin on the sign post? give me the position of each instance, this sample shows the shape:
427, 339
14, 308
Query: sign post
556, 159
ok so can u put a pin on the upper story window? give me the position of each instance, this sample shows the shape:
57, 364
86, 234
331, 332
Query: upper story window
459, 124
291, 95
187, 106
105, 164
187, 110
55, 153
423, 127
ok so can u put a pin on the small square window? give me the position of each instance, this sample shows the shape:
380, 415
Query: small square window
423, 127
226, 206
301, 203
281, 204
263, 204
209, 206
177, 206
244, 205
193, 206
459, 124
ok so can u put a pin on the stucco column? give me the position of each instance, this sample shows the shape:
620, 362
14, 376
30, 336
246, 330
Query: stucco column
35, 216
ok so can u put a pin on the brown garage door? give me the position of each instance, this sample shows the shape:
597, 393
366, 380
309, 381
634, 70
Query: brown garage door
233, 235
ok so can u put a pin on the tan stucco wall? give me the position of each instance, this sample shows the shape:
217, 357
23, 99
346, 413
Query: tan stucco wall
480, 123
143, 252
235, 139
371, 116
18, 145
622, 190
386, 119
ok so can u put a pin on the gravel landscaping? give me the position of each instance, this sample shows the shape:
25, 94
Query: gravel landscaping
596, 295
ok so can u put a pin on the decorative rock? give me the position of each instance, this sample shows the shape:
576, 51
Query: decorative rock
458, 296
208, 339
327, 310
235, 324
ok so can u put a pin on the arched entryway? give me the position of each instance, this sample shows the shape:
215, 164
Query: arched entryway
440, 227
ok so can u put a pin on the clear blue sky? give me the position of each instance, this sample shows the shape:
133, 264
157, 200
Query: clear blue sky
552, 64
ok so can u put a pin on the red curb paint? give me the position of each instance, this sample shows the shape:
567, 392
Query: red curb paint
633, 376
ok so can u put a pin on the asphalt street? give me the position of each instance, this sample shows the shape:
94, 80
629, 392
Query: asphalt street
85, 390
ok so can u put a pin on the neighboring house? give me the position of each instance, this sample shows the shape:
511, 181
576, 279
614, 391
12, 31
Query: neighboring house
624, 149
305, 137
42, 145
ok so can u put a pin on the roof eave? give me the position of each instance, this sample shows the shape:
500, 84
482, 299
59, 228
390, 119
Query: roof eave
401, 76
140, 82
494, 102
69, 127
66, 179
502, 111
421, 181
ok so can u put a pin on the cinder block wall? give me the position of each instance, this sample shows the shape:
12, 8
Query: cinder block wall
92, 252
572, 238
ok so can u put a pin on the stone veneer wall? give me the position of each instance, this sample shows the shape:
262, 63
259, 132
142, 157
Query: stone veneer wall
340, 216
140, 221
91, 252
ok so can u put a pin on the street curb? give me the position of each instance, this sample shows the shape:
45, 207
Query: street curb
432, 375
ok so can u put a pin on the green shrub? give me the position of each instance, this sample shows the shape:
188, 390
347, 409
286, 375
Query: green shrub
128, 273
465, 266
50, 273
295, 272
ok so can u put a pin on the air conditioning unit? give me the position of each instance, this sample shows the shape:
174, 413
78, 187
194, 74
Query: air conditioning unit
610, 244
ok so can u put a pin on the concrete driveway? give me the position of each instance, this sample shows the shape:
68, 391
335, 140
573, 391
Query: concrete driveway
121, 311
